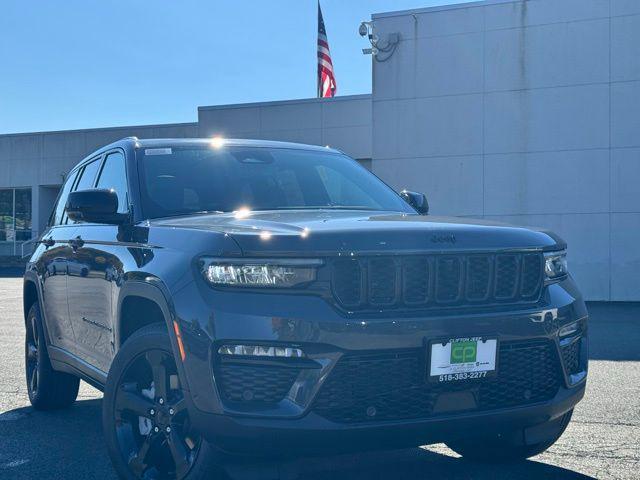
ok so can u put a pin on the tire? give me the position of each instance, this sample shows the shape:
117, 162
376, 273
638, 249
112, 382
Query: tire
509, 448
144, 416
47, 388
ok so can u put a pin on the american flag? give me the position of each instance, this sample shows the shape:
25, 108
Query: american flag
326, 80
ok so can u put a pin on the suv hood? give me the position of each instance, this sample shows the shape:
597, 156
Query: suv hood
331, 232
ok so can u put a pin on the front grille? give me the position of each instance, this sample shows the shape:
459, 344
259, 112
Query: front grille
506, 280
571, 357
393, 385
382, 281
423, 281
250, 384
449, 278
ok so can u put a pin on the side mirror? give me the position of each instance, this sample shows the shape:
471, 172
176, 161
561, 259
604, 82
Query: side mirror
95, 206
416, 200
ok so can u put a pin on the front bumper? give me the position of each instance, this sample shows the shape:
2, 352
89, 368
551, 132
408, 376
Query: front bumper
209, 319
314, 435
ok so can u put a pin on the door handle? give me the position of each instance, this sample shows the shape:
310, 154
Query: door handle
48, 242
76, 243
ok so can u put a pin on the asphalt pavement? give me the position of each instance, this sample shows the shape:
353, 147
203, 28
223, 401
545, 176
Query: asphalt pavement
602, 441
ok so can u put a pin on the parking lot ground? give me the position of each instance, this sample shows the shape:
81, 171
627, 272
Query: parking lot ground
602, 441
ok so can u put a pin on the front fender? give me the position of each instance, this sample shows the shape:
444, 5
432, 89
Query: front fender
153, 289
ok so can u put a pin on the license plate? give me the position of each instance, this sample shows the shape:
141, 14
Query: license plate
466, 358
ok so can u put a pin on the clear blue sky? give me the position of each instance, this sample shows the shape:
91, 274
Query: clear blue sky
69, 64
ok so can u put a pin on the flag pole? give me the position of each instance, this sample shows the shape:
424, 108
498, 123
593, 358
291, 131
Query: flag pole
326, 78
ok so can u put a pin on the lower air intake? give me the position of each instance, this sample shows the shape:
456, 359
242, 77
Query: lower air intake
393, 385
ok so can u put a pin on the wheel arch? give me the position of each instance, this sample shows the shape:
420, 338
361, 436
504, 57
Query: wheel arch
148, 293
134, 295
30, 295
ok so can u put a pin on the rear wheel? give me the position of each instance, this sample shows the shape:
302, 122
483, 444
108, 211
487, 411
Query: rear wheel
146, 423
48, 389
508, 448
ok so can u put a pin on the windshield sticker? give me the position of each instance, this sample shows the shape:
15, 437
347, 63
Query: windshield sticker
157, 151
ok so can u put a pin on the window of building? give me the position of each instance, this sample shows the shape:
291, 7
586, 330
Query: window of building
15, 219
22, 202
6, 214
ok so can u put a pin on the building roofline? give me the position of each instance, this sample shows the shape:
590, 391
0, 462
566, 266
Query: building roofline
100, 129
440, 8
344, 98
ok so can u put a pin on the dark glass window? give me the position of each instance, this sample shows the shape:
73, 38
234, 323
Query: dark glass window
178, 181
86, 181
88, 176
58, 214
6, 214
341, 190
23, 214
114, 176
15, 217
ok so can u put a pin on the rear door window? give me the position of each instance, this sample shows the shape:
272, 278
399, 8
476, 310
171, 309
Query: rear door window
88, 176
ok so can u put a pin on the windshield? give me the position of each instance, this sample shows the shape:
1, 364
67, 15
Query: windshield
179, 181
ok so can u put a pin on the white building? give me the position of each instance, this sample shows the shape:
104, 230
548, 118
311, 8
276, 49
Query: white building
521, 111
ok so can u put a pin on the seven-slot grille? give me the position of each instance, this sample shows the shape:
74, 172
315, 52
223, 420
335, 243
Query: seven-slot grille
419, 281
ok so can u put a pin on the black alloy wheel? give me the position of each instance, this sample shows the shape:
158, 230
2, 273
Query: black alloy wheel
48, 389
32, 344
152, 424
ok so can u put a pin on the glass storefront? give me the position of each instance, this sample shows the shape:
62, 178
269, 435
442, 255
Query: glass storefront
15, 219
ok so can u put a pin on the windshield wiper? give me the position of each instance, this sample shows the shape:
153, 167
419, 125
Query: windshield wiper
188, 214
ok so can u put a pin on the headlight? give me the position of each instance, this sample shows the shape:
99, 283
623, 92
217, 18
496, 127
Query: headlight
555, 264
259, 272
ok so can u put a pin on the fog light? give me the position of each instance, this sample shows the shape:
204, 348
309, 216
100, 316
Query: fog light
569, 330
261, 351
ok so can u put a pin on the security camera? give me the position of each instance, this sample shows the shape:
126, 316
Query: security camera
364, 29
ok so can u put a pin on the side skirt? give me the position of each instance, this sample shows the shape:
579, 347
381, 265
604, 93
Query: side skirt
64, 361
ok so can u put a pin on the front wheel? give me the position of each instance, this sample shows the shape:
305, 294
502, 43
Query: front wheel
146, 423
509, 448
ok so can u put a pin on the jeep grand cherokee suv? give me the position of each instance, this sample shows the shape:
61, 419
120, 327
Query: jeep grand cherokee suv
263, 297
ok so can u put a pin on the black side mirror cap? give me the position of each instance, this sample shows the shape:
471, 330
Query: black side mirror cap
95, 206
416, 200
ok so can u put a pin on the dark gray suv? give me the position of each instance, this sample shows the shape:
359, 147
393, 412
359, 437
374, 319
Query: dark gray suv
249, 297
